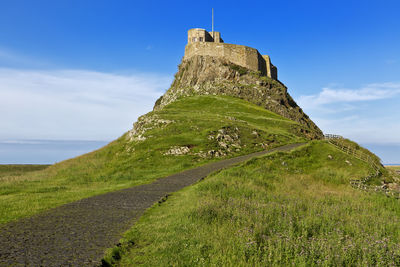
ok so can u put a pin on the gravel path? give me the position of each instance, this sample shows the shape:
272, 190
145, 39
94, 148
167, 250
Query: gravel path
78, 233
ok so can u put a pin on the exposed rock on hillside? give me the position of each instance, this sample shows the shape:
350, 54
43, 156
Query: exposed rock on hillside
223, 142
176, 150
144, 124
205, 75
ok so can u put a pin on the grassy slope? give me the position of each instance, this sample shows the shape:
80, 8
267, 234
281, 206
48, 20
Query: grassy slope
293, 209
394, 173
123, 164
19, 169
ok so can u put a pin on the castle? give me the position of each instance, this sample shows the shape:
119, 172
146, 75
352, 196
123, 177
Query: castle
201, 42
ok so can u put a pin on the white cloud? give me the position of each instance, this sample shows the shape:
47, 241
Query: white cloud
362, 129
356, 113
74, 104
370, 92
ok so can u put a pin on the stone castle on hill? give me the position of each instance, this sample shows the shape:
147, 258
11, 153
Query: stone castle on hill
211, 67
203, 43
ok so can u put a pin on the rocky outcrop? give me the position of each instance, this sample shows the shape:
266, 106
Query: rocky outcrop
176, 150
145, 123
206, 75
224, 141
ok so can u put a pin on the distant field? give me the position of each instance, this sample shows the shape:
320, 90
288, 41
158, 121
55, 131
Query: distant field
393, 167
19, 169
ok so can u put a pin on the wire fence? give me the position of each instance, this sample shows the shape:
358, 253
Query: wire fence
340, 142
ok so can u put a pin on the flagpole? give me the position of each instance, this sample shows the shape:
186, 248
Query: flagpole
212, 23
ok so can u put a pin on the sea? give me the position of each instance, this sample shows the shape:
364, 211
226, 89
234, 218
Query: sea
53, 151
44, 151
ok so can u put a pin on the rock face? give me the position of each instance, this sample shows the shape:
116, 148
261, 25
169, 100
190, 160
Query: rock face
144, 124
206, 75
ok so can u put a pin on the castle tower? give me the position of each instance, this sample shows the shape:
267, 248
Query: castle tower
201, 35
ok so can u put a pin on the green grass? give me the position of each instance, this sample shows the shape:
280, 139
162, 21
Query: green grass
286, 209
393, 173
123, 164
19, 169
354, 146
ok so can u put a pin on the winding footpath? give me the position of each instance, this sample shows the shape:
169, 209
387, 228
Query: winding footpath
78, 233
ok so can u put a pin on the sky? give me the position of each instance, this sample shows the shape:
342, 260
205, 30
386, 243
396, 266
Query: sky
73, 70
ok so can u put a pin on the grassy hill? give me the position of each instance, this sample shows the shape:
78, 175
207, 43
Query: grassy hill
19, 169
287, 209
207, 75
186, 133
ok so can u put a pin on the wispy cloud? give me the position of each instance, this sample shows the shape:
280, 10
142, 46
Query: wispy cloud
74, 104
370, 92
363, 129
9, 58
357, 113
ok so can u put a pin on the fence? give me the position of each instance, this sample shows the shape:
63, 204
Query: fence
340, 143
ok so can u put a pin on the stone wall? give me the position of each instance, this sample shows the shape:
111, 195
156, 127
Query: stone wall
271, 70
238, 54
201, 35
216, 37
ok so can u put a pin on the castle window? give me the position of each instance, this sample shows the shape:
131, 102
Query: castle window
194, 39
201, 39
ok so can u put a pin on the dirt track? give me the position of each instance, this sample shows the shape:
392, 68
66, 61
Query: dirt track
78, 233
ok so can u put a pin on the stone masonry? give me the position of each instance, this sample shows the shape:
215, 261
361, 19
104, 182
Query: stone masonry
203, 43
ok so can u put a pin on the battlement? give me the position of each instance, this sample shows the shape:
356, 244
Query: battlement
201, 42
201, 35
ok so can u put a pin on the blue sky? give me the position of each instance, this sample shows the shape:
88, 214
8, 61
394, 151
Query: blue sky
85, 70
